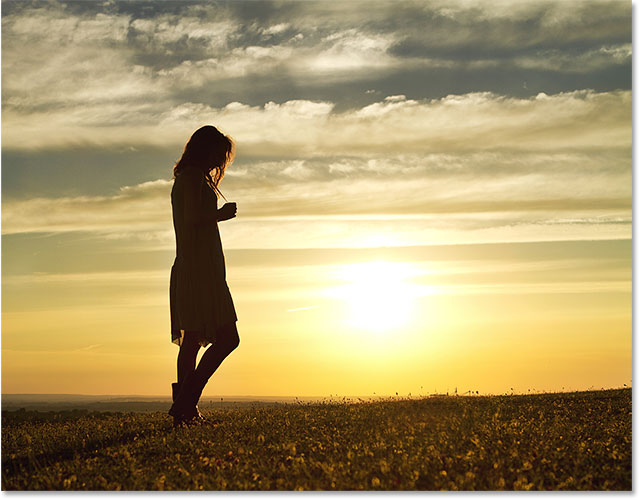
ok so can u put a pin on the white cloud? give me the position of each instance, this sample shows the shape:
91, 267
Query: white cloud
349, 50
166, 30
297, 170
142, 208
109, 78
54, 58
469, 122
385, 200
276, 29
239, 62
591, 60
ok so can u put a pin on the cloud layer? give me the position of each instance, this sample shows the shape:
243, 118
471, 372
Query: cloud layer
353, 201
470, 122
83, 72
472, 116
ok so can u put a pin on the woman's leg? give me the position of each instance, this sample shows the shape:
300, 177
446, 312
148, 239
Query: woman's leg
187, 355
184, 407
227, 340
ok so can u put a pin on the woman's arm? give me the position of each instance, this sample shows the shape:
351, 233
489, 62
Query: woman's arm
193, 182
217, 216
193, 213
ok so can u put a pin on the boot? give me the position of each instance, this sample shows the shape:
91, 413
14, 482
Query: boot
175, 390
179, 419
185, 398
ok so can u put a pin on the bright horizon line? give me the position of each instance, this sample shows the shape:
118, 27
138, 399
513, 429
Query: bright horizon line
331, 396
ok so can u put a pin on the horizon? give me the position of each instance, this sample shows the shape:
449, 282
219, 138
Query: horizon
332, 396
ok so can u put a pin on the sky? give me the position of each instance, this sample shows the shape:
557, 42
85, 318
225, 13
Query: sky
432, 196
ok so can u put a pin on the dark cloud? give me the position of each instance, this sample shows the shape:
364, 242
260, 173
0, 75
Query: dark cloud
162, 56
470, 34
475, 50
158, 54
438, 48
415, 83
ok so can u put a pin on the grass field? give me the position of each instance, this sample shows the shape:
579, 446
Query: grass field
572, 441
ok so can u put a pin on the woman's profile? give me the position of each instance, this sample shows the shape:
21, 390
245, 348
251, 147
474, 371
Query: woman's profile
202, 310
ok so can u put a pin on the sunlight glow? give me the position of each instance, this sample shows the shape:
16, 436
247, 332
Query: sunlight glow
378, 295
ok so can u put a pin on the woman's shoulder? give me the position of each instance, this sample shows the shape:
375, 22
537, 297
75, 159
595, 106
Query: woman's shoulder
190, 174
191, 170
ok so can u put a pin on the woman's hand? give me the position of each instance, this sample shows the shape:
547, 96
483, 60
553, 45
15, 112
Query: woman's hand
228, 211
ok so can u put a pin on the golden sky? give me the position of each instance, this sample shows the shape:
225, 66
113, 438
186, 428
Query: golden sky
431, 195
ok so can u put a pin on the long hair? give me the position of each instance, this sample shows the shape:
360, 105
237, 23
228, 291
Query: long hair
198, 153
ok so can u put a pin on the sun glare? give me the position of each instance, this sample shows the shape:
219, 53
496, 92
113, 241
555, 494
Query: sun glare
378, 295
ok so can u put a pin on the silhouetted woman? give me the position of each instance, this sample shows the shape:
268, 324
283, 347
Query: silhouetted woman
202, 310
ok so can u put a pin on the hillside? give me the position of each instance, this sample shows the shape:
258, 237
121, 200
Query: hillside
543, 442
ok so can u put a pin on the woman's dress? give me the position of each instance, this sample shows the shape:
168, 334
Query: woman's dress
198, 293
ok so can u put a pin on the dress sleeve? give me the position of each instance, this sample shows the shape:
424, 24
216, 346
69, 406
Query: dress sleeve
192, 181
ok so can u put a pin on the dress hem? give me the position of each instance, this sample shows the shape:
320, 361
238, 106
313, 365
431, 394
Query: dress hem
177, 335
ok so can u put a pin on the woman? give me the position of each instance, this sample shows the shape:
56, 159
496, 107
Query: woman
202, 310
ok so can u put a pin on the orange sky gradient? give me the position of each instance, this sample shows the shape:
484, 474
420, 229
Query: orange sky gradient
426, 202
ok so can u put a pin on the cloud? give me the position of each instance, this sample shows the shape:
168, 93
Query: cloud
470, 122
348, 50
338, 108
140, 208
500, 30
48, 50
162, 55
580, 62
461, 192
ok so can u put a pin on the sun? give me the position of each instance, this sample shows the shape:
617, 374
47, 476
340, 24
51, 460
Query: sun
378, 295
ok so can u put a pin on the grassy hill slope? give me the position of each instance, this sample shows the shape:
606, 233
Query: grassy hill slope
542, 442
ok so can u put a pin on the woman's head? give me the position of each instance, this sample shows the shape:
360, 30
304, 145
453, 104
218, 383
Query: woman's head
207, 149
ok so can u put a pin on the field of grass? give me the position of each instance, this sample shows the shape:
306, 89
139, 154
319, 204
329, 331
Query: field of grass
573, 441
